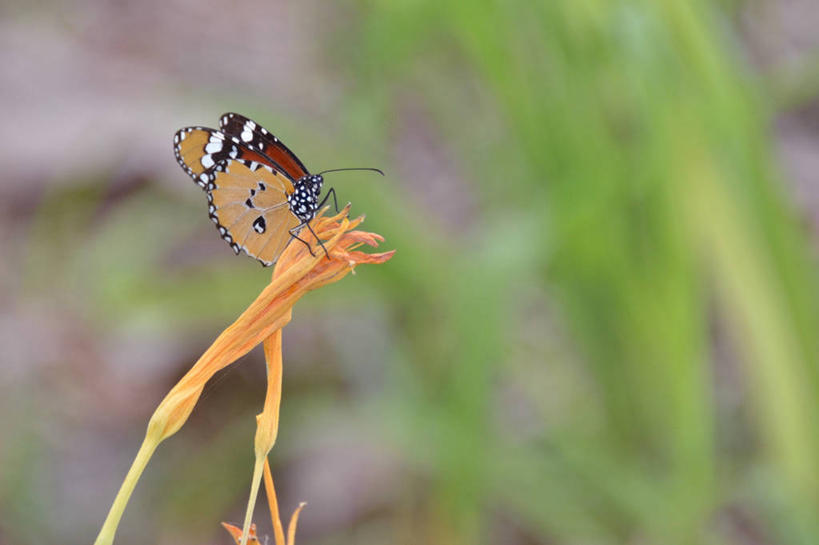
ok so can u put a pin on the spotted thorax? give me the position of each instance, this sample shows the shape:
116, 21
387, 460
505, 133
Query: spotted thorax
303, 200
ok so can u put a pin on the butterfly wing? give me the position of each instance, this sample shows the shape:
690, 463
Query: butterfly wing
199, 150
248, 204
257, 137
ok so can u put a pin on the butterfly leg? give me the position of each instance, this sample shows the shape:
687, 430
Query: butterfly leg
307, 224
297, 237
332, 192
319, 241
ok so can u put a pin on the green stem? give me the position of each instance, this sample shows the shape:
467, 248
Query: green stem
251, 502
109, 527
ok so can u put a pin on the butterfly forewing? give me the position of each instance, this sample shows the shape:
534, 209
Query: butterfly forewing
257, 137
200, 150
248, 203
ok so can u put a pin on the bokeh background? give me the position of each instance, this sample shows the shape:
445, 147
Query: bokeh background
601, 325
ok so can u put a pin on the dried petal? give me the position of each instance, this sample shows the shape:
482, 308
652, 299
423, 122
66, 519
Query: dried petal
236, 533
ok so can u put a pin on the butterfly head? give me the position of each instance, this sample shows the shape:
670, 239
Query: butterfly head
316, 181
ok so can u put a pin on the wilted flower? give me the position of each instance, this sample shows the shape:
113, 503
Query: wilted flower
296, 273
252, 538
236, 533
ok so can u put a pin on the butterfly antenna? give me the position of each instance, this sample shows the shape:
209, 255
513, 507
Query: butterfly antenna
378, 170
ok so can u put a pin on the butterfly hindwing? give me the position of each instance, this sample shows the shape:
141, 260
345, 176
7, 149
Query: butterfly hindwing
257, 137
248, 204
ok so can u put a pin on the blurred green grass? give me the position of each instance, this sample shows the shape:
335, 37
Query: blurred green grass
556, 368
635, 167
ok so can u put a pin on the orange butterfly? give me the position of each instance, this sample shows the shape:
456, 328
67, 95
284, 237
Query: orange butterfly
260, 195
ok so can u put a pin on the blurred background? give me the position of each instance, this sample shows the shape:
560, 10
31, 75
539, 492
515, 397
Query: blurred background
601, 325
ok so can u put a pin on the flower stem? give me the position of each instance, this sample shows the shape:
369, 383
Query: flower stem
267, 427
251, 502
272, 502
109, 527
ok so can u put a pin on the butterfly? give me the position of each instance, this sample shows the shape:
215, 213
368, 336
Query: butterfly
260, 195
